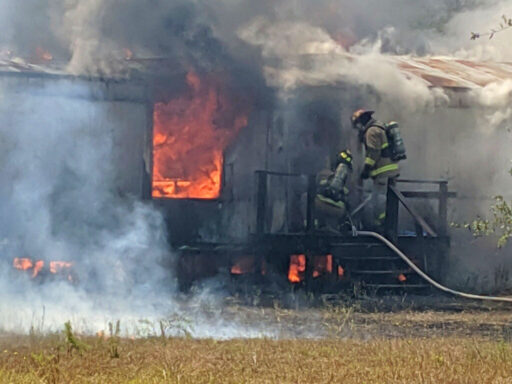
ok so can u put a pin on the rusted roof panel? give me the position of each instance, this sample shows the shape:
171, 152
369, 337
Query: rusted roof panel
448, 72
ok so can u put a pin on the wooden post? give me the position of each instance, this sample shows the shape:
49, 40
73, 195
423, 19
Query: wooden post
391, 224
443, 209
261, 201
147, 156
310, 215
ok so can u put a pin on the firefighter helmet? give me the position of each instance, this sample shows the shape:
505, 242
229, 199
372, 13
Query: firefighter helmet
361, 117
344, 157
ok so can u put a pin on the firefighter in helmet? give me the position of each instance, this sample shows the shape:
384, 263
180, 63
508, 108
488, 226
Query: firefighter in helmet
384, 147
332, 192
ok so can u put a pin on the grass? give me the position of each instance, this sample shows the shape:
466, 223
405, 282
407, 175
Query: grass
451, 342
185, 360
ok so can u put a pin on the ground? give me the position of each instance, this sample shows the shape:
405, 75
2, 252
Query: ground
379, 340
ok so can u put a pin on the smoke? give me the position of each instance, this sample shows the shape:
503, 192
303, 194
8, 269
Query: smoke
60, 202
299, 55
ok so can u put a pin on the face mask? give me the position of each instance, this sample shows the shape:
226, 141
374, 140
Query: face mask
358, 126
361, 135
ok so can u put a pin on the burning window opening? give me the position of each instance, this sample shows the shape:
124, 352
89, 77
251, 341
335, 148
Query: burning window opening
190, 134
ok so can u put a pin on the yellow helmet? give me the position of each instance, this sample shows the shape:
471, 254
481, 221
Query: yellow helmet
344, 157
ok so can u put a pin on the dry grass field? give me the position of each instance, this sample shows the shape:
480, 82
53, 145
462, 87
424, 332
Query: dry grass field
351, 346
419, 360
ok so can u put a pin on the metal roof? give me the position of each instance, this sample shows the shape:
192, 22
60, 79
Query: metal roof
18, 65
444, 72
447, 72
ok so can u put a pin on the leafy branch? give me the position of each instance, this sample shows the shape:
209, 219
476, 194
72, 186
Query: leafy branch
500, 224
504, 25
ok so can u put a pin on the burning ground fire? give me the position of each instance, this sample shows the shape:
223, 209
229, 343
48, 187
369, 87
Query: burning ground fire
36, 267
189, 139
322, 266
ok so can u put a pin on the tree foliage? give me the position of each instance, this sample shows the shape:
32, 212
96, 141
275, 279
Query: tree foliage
499, 224
504, 25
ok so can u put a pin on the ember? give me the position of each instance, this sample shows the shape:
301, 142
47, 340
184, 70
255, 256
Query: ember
402, 278
189, 139
297, 268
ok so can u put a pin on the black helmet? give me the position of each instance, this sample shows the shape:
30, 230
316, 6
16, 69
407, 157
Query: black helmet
361, 117
344, 157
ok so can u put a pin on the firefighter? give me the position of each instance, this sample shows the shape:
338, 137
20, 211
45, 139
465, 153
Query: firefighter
332, 192
384, 147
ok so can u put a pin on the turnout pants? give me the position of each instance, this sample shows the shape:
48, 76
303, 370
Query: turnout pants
379, 198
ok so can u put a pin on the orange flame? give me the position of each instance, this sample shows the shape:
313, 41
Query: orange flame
43, 55
22, 264
57, 266
38, 266
341, 271
189, 138
26, 264
243, 265
128, 54
402, 278
322, 265
297, 268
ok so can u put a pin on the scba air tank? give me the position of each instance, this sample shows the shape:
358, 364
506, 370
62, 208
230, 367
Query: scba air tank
398, 151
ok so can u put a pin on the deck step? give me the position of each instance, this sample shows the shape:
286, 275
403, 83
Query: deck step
369, 258
389, 272
398, 286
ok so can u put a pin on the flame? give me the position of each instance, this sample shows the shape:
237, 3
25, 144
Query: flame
38, 266
55, 267
402, 278
322, 265
22, 264
189, 138
341, 271
128, 54
43, 55
243, 265
297, 268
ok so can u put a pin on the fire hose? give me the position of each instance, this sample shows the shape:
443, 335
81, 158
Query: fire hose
423, 275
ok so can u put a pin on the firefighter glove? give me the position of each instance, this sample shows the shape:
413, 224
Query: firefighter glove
366, 172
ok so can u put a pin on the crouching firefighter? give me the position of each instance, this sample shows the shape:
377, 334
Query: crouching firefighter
332, 193
384, 148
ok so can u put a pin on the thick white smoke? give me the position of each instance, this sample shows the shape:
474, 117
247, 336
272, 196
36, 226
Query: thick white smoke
60, 202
